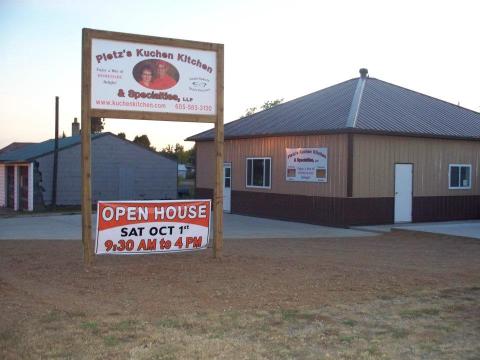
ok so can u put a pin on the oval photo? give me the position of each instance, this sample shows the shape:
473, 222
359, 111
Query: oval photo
156, 74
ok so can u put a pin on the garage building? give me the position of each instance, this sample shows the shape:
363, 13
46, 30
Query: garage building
361, 152
121, 170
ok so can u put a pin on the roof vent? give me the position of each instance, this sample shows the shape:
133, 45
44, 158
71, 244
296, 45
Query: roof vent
363, 72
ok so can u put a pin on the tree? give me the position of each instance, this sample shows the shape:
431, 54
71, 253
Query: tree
266, 105
250, 111
144, 141
63, 135
97, 125
169, 151
192, 155
122, 135
269, 104
179, 153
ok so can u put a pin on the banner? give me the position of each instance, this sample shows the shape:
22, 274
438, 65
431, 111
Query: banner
145, 77
145, 227
307, 164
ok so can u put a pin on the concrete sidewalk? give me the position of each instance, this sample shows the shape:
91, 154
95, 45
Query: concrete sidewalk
466, 228
68, 227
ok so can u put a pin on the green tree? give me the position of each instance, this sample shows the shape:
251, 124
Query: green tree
250, 111
177, 152
191, 155
266, 105
144, 141
98, 125
122, 135
269, 104
169, 151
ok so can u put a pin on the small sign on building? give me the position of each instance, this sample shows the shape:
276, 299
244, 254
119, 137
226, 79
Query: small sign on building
307, 164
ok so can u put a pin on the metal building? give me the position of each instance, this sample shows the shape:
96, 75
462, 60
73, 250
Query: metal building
390, 154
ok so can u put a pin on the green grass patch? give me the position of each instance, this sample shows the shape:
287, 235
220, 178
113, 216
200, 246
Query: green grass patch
350, 322
289, 314
125, 325
90, 325
399, 333
168, 323
111, 340
346, 339
418, 313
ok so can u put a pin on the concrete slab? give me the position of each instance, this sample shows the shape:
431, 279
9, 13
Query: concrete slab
467, 228
68, 227
239, 227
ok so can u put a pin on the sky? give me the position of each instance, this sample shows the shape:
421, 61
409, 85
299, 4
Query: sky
273, 49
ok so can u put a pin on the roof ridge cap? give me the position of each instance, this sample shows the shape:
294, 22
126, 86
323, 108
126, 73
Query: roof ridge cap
356, 101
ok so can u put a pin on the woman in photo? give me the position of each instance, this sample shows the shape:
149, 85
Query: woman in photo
146, 76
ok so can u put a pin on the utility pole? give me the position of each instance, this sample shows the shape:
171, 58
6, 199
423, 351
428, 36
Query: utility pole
55, 158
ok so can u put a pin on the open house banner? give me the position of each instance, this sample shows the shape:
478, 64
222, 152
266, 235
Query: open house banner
143, 77
145, 227
307, 164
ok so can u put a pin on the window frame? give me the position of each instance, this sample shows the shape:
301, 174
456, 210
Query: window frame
270, 172
460, 187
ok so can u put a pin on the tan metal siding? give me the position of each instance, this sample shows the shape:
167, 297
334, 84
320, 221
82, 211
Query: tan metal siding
237, 151
374, 159
205, 165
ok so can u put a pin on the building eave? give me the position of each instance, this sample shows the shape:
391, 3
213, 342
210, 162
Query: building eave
347, 131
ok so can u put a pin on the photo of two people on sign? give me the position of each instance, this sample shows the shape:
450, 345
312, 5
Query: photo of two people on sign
156, 74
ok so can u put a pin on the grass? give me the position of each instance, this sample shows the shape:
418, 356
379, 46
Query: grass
399, 333
417, 313
111, 340
349, 322
419, 326
90, 325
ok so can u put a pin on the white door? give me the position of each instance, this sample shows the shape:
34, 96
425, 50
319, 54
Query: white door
403, 192
227, 186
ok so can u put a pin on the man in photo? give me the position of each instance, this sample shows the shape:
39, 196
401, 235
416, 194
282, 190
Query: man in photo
163, 80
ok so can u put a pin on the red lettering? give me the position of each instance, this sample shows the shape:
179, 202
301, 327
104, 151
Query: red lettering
179, 243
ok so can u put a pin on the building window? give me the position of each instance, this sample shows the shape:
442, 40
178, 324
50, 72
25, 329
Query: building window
258, 172
459, 176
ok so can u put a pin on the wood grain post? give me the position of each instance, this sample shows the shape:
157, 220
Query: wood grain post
218, 193
86, 154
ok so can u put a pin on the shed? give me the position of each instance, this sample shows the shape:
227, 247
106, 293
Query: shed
121, 170
182, 171
360, 152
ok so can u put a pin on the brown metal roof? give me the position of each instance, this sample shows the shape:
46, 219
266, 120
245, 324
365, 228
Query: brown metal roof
360, 105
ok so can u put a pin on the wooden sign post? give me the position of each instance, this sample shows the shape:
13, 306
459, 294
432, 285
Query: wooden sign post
127, 76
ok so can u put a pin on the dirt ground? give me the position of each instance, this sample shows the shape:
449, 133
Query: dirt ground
398, 295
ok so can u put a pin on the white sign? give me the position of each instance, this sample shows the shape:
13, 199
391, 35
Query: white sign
307, 164
143, 77
143, 227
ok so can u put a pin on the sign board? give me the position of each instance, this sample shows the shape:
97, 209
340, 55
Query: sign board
130, 76
307, 164
146, 227
157, 78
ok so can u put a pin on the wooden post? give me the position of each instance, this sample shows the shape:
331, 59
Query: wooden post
218, 191
86, 156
